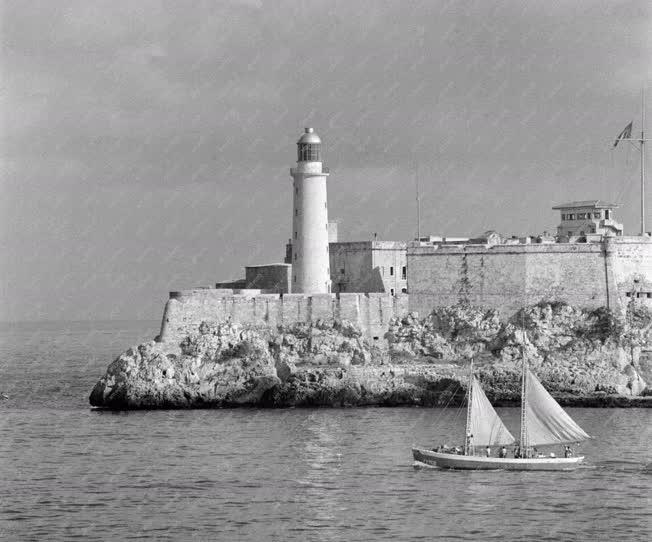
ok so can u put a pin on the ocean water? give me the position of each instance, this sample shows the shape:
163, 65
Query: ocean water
68, 472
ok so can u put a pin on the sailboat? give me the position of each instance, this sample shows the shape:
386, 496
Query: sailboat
543, 422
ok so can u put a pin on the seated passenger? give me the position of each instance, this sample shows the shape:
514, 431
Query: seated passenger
503, 452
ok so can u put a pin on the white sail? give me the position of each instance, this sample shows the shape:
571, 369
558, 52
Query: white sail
485, 425
547, 422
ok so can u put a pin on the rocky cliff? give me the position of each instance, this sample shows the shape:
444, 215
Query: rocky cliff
582, 357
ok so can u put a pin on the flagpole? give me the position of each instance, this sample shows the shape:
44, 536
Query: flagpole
642, 141
626, 135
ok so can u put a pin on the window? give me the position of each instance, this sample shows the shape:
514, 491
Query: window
571, 216
391, 271
404, 272
295, 278
607, 214
309, 152
581, 216
295, 256
296, 212
649, 295
342, 271
404, 290
296, 235
570, 234
296, 190
391, 291
597, 215
629, 294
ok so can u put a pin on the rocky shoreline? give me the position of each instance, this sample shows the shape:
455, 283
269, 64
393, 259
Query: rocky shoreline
584, 358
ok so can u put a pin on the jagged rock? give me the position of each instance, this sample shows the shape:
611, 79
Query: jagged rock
576, 353
285, 367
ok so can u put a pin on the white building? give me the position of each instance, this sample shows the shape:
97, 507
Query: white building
586, 218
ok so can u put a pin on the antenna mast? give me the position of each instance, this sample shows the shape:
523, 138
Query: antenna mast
418, 204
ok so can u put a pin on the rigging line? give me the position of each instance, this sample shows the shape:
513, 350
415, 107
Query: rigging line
443, 410
460, 408
626, 187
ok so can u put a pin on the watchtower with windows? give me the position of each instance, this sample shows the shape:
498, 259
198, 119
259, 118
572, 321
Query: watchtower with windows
310, 254
585, 218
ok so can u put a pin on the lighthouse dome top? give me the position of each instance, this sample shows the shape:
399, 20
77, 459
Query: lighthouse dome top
309, 147
309, 136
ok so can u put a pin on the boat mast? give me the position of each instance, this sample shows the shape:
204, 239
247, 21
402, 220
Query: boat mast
523, 438
469, 399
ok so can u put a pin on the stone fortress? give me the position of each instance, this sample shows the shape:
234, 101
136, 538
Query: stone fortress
589, 263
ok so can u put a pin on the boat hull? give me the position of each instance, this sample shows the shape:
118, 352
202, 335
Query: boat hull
472, 462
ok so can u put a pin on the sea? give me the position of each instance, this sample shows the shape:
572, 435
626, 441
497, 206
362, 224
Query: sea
69, 472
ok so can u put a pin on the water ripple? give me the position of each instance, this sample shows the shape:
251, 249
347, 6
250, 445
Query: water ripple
69, 473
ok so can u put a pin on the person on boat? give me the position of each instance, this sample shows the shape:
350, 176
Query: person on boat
503, 453
517, 452
567, 451
458, 450
488, 451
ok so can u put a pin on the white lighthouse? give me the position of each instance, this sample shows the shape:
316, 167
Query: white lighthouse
310, 262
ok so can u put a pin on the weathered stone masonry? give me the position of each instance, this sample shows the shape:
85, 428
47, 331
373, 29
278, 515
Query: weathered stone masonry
187, 309
508, 277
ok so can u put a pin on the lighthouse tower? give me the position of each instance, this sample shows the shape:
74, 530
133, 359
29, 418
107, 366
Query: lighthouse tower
310, 262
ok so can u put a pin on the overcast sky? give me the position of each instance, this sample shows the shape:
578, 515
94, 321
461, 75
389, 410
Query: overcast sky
146, 144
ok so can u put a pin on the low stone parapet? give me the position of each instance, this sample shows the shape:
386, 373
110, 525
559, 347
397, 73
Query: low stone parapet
187, 309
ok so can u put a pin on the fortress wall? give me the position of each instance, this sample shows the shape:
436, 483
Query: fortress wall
186, 310
451, 275
504, 277
507, 277
577, 277
630, 260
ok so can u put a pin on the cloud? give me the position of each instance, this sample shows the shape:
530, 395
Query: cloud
504, 106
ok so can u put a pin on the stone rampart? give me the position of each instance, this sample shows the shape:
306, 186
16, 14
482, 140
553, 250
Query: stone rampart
507, 277
187, 309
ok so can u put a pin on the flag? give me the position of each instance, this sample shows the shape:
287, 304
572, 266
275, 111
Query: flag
626, 133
